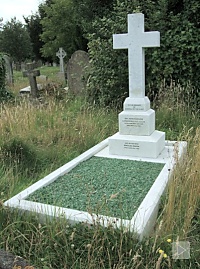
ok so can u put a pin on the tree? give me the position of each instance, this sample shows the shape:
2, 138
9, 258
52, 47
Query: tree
34, 28
15, 40
87, 10
60, 29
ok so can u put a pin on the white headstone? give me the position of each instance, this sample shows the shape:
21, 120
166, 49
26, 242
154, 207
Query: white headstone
61, 55
137, 135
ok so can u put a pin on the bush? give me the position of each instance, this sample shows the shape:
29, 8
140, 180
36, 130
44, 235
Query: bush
177, 59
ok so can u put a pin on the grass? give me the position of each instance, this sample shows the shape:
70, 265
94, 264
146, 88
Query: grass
36, 138
176, 112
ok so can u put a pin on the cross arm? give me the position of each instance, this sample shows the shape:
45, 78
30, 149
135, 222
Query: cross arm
120, 41
34, 73
151, 39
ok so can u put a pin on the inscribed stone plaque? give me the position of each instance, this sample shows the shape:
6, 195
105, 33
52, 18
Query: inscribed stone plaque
77, 69
131, 145
137, 123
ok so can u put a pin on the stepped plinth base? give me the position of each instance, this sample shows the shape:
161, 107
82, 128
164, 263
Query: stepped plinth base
137, 146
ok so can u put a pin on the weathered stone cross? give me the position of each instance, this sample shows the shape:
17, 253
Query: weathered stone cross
32, 74
61, 55
135, 41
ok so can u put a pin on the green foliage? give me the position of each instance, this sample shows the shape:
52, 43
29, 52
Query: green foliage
60, 29
88, 10
35, 29
177, 59
65, 23
15, 40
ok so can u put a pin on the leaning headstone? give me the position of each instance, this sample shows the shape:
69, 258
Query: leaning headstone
77, 71
9, 70
137, 135
61, 55
32, 74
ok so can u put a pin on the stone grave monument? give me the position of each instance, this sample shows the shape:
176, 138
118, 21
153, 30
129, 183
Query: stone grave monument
32, 74
9, 70
77, 67
61, 55
137, 140
137, 135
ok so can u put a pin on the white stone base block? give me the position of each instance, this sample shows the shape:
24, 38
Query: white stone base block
137, 123
137, 104
137, 146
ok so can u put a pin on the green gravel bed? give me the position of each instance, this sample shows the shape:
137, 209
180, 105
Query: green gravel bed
111, 187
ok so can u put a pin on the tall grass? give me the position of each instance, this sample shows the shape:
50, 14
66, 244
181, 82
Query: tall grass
36, 138
176, 111
183, 199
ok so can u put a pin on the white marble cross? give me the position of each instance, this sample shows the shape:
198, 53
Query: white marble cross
135, 41
61, 55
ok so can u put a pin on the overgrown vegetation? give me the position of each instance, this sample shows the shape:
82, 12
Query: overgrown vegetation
37, 138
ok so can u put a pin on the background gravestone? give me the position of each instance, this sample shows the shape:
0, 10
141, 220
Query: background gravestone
9, 70
77, 70
23, 66
61, 55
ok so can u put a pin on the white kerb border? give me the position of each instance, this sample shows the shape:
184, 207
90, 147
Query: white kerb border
143, 220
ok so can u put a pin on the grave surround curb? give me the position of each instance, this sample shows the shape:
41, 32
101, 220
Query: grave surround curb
143, 220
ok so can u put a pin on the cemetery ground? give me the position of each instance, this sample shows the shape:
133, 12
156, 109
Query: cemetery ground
38, 137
